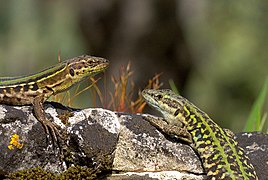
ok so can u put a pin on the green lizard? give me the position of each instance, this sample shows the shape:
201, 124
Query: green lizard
36, 88
220, 154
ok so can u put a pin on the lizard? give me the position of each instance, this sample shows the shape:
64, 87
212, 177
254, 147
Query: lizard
36, 88
220, 154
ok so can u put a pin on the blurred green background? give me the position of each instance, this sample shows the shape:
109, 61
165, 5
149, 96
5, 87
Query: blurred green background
215, 51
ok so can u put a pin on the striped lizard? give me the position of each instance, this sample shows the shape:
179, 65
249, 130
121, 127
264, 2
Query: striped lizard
36, 88
220, 153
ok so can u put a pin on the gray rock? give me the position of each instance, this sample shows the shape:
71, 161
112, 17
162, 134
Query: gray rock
256, 147
91, 141
142, 148
119, 145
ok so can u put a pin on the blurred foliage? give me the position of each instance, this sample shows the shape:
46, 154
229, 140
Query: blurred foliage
215, 51
34, 31
229, 44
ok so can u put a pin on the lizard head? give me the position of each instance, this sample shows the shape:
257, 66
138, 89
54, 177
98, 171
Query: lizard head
72, 71
169, 104
84, 66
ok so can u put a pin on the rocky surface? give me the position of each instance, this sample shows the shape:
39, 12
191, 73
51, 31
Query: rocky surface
256, 147
111, 145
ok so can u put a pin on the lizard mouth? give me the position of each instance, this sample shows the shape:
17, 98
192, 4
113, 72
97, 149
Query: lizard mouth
100, 67
148, 97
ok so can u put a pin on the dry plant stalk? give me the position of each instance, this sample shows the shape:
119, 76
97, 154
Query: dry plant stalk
121, 99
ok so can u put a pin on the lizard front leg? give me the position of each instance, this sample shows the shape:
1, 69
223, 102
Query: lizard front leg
179, 132
49, 127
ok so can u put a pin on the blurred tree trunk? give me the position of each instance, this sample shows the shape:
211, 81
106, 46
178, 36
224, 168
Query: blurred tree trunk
147, 33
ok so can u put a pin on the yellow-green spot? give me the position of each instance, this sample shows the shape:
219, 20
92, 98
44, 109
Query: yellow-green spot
186, 110
14, 142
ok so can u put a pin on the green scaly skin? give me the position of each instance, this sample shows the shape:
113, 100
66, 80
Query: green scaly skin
220, 154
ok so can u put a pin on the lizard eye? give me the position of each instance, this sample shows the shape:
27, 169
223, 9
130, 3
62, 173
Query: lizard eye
72, 72
159, 96
177, 112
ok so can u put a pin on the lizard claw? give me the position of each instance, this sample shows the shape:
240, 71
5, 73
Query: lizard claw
52, 131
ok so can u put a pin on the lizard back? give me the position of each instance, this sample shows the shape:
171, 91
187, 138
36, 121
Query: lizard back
221, 155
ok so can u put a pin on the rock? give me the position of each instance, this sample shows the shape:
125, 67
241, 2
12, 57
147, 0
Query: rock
149, 150
255, 145
92, 138
110, 145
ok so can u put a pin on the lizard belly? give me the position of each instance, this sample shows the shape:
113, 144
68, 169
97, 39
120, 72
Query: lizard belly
16, 96
17, 99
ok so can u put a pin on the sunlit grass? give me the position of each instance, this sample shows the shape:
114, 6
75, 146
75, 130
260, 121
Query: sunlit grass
173, 86
257, 120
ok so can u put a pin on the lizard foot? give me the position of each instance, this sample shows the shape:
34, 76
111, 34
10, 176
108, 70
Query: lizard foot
53, 133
